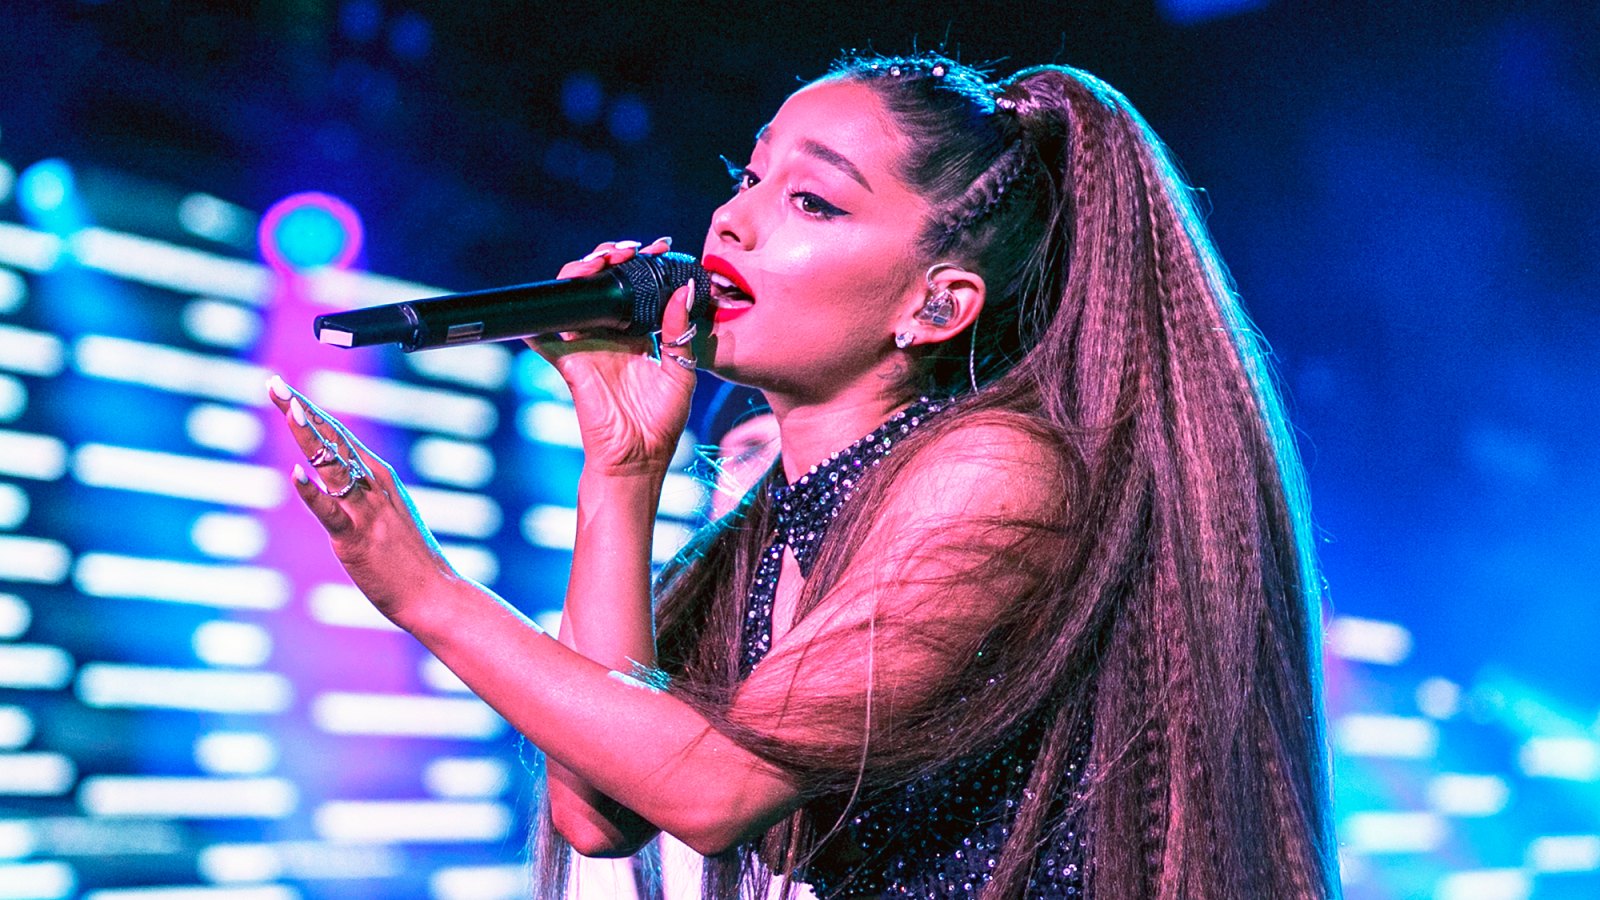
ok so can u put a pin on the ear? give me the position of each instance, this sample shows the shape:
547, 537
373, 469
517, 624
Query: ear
948, 304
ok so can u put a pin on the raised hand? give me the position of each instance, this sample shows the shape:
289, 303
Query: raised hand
370, 519
631, 393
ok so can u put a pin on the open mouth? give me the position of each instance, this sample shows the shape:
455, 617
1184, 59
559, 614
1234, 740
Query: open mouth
728, 291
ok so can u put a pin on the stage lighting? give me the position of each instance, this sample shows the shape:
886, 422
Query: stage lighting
308, 231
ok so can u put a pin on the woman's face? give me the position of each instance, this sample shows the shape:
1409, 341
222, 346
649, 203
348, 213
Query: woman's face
819, 241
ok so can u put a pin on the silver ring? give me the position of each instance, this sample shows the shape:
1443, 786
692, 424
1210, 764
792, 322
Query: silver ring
357, 476
685, 362
326, 454
683, 340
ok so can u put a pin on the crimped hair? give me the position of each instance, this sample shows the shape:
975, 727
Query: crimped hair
1174, 612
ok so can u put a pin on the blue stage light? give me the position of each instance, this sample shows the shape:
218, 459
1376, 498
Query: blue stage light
310, 231
48, 196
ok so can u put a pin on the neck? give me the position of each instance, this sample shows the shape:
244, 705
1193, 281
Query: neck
809, 432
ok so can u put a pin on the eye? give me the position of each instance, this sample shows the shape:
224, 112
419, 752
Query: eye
743, 179
815, 206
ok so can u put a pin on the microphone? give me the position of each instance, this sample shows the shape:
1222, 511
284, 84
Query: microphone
626, 298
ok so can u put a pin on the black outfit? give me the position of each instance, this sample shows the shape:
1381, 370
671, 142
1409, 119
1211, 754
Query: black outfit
940, 835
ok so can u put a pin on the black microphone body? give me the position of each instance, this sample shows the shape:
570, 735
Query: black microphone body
626, 298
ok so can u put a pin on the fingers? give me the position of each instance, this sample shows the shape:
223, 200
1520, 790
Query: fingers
322, 505
612, 253
343, 464
678, 332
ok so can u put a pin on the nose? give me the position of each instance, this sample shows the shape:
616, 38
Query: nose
732, 223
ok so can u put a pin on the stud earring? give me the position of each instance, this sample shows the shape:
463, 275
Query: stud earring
904, 339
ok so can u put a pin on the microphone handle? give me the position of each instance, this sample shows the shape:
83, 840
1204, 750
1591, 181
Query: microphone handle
603, 300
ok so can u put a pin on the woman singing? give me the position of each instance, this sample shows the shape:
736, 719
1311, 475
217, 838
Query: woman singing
1026, 606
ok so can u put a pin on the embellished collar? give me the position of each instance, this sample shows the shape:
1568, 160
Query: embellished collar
803, 510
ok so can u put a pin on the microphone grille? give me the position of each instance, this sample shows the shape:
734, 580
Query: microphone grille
652, 279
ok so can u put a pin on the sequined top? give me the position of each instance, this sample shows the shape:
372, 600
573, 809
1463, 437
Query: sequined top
940, 835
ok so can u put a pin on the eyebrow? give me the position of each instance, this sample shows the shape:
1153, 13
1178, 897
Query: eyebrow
825, 153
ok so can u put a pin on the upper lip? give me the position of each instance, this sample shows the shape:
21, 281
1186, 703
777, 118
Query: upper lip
720, 266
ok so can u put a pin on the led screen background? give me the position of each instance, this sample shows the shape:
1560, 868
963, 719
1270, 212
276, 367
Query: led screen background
192, 699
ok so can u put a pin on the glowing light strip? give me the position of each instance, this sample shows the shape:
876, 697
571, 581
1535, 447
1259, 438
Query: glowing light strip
258, 892
36, 456
25, 248
1369, 640
31, 352
235, 753
17, 839
165, 797
1401, 737
344, 606
16, 729
486, 883
48, 880
1567, 758
457, 512
397, 403
107, 838
667, 538
1484, 884
1564, 853
170, 266
170, 369
410, 821
452, 462
13, 398
304, 860
462, 778
549, 422
170, 581
344, 288
223, 643
221, 324
472, 561
39, 667
438, 676
36, 560
175, 475
14, 507
483, 366
118, 686
225, 428
1392, 832
554, 527
1454, 794
228, 535
405, 715
36, 774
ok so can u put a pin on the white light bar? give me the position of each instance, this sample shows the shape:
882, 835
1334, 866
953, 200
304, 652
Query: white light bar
221, 643
36, 774
37, 560
163, 797
483, 366
221, 324
456, 778
17, 839
225, 428
1484, 884
235, 753
115, 839
37, 456
452, 462
411, 821
485, 883
257, 892
1468, 796
46, 880
216, 219
16, 730
170, 581
228, 535
1438, 698
472, 561
30, 352
1564, 853
667, 538
15, 616
13, 398
1400, 737
397, 403
344, 288
36, 667
549, 422
25, 248
13, 291
1377, 833
550, 526
1369, 640
14, 505
170, 266
302, 860
190, 477
1566, 758
117, 686
457, 512
405, 715
344, 606
171, 369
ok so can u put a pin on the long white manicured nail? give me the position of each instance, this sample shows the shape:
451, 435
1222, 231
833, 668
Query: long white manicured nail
300, 474
596, 254
688, 298
298, 412
663, 240
628, 245
279, 387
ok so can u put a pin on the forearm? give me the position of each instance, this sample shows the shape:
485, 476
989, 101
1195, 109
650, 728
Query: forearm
645, 748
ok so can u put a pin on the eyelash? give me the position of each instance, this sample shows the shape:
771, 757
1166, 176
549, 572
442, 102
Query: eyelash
744, 179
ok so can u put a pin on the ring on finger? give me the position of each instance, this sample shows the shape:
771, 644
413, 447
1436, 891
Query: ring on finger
683, 340
684, 361
326, 455
357, 477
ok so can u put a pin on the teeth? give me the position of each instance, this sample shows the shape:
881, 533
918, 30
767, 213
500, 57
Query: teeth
722, 281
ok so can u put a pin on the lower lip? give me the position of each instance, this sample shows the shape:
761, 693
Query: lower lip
729, 313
